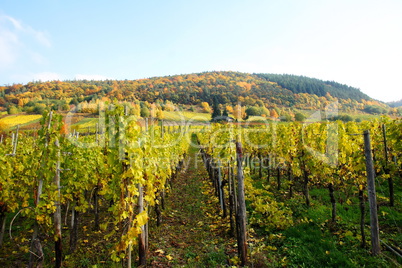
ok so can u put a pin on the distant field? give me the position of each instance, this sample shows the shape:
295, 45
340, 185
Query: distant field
85, 124
364, 116
82, 123
21, 119
186, 116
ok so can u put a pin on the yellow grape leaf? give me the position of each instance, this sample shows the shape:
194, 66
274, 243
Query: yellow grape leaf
124, 214
40, 218
283, 260
103, 226
272, 248
142, 218
235, 260
348, 233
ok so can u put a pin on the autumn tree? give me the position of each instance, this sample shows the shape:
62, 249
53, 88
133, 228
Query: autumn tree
169, 106
205, 106
159, 114
153, 110
264, 111
239, 112
274, 114
229, 109
253, 111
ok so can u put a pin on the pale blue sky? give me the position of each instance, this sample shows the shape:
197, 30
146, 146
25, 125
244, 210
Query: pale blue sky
355, 42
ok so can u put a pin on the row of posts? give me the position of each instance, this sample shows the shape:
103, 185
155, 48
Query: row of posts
237, 204
237, 196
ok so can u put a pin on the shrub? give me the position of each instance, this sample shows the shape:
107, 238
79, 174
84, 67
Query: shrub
299, 117
13, 110
145, 112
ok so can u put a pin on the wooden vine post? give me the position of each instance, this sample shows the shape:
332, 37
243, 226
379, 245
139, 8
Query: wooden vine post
57, 213
221, 190
375, 238
15, 141
241, 208
232, 208
142, 248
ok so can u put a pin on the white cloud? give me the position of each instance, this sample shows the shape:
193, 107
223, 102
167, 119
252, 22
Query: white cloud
40, 36
15, 22
16, 41
91, 77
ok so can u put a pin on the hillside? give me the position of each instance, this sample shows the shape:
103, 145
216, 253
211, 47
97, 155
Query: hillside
192, 91
302, 84
395, 103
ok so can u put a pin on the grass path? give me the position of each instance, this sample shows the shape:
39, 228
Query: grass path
189, 235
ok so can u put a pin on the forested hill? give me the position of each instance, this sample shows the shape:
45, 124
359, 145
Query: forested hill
302, 84
191, 90
395, 103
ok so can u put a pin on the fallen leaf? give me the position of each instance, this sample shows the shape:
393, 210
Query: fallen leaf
160, 251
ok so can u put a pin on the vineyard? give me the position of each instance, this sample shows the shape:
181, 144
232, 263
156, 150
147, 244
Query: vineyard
288, 169
280, 194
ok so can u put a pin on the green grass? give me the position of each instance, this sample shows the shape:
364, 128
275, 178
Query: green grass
314, 241
187, 116
84, 124
87, 122
307, 246
364, 117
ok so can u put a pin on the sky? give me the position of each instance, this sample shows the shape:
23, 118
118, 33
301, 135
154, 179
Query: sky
353, 42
